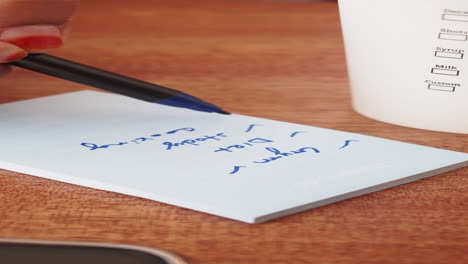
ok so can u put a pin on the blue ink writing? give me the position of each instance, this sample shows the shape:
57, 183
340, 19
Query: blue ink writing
280, 155
249, 143
92, 146
251, 127
141, 139
296, 133
236, 169
188, 129
193, 142
347, 142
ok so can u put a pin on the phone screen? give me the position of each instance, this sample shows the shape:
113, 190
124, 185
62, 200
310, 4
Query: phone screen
17, 253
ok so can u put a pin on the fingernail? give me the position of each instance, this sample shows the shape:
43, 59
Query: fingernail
33, 37
9, 53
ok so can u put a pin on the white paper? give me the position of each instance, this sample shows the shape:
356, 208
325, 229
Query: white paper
244, 168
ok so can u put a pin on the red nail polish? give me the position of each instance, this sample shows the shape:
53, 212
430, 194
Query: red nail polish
37, 42
14, 57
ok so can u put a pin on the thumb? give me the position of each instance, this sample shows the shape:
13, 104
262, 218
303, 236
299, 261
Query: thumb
10, 52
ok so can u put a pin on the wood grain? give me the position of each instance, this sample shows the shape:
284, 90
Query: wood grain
271, 59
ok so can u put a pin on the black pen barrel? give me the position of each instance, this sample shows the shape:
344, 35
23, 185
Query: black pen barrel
94, 77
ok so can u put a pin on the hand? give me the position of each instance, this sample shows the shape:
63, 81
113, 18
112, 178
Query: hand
32, 26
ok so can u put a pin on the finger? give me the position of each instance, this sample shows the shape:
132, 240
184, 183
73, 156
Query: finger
31, 38
10, 52
33, 12
65, 30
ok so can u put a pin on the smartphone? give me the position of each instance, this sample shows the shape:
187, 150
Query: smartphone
56, 252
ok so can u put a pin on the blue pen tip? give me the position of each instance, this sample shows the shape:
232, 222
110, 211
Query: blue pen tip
193, 103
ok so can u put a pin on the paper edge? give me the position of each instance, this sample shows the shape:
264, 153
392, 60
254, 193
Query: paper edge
97, 185
101, 186
371, 189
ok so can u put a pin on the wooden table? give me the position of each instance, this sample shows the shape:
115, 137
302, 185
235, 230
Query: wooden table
274, 59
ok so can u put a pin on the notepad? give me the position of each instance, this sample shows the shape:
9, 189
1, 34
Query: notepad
240, 167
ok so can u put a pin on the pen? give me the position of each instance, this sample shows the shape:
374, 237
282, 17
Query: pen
113, 82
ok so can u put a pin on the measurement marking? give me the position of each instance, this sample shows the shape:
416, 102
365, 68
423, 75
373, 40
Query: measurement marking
449, 55
454, 37
443, 88
455, 17
445, 72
